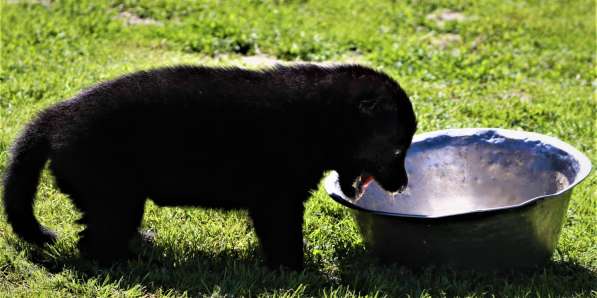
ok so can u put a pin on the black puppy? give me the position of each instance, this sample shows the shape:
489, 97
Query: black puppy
212, 137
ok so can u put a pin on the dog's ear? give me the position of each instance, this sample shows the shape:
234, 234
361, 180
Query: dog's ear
368, 106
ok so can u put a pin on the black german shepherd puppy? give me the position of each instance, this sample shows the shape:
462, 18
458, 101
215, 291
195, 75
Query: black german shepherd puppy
212, 137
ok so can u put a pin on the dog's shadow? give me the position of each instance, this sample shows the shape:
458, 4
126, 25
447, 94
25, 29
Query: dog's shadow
159, 267
230, 273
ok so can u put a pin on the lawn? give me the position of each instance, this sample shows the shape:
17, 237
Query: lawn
525, 65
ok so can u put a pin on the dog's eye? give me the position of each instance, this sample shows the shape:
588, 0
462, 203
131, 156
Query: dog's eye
398, 152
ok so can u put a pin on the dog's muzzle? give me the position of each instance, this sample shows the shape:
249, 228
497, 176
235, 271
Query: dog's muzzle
394, 186
393, 183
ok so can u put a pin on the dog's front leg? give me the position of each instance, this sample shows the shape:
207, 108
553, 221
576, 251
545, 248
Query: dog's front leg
278, 224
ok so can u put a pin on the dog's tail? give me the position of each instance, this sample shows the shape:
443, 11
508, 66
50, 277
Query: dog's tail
29, 155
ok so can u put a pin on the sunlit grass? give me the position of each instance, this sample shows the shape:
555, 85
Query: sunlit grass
508, 64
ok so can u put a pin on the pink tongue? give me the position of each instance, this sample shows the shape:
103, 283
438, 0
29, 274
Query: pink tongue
366, 181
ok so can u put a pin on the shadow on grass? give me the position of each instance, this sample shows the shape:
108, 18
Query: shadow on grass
228, 273
159, 268
556, 278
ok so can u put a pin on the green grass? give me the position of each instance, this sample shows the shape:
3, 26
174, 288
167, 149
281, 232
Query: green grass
511, 64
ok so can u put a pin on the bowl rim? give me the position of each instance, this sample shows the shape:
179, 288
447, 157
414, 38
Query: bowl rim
331, 186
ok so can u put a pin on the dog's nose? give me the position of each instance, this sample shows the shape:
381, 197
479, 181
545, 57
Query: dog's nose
395, 185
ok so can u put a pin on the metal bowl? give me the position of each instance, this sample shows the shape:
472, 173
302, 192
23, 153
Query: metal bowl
476, 198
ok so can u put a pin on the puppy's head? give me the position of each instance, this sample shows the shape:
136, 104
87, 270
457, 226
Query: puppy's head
384, 123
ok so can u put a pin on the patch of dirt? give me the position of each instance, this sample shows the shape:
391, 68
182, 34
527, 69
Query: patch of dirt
45, 3
520, 94
354, 58
442, 16
132, 19
263, 60
444, 41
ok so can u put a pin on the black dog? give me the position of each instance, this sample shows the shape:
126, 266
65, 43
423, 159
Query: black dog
212, 137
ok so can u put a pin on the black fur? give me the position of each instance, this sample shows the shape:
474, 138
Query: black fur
213, 137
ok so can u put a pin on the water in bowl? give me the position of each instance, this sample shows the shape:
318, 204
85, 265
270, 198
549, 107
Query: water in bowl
460, 177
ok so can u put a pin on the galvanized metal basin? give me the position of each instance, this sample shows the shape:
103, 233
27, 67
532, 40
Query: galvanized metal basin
477, 198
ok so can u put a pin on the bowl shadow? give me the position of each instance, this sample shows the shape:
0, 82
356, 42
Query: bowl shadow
557, 278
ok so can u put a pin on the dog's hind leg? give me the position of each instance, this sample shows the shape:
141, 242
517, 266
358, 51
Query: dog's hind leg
279, 227
111, 220
110, 199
